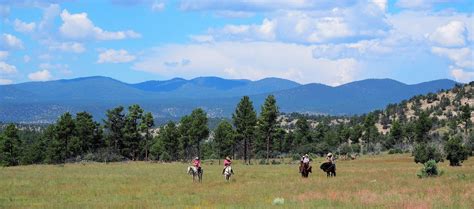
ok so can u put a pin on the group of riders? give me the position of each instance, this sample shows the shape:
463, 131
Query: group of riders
304, 162
197, 164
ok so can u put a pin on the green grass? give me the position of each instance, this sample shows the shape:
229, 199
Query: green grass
387, 181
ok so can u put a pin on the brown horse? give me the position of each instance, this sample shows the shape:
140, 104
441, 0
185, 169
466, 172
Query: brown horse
305, 169
329, 168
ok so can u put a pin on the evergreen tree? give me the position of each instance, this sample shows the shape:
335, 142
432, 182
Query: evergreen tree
199, 129
302, 132
64, 139
114, 128
224, 140
146, 125
370, 131
10, 146
167, 140
88, 132
267, 123
245, 119
422, 127
184, 137
466, 117
456, 152
132, 135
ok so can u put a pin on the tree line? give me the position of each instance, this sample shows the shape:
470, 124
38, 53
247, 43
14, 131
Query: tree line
130, 134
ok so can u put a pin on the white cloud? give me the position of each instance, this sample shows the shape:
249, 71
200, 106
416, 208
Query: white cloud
74, 47
5, 81
42, 75
157, 6
24, 27
235, 60
3, 55
461, 75
462, 57
360, 21
115, 56
7, 69
79, 26
8, 41
451, 34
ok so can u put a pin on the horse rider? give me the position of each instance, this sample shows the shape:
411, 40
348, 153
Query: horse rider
330, 159
304, 161
227, 162
197, 164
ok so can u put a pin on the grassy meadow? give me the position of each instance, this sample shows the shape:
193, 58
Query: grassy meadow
386, 181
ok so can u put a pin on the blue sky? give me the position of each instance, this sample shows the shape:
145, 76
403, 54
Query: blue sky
308, 41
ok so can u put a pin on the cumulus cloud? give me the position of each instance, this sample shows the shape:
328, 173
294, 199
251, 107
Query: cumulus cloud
115, 56
61, 68
24, 27
5, 81
450, 35
462, 57
8, 42
79, 27
6, 69
360, 21
74, 47
461, 75
235, 60
42, 75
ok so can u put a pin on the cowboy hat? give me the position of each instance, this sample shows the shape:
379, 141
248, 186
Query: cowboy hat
196, 158
227, 158
329, 154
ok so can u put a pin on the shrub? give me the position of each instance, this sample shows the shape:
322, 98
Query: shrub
430, 169
424, 152
456, 152
274, 162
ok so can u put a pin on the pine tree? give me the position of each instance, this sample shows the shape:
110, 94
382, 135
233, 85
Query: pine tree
199, 129
10, 146
456, 151
146, 125
65, 140
267, 123
184, 137
245, 119
132, 135
114, 128
302, 132
88, 132
167, 141
224, 140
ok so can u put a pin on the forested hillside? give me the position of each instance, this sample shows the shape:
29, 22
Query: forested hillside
432, 120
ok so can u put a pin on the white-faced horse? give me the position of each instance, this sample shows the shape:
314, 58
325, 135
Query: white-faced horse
228, 172
194, 172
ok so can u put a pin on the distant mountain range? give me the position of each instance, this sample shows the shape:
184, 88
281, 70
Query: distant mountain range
43, 102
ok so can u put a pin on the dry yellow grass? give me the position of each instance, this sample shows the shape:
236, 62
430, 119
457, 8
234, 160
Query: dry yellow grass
387, 181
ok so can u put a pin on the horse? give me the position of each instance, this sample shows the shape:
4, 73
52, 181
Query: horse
329, 168
305, 169
194, 171
228, 172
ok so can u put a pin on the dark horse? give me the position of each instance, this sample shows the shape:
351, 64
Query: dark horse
305, 169
329, 168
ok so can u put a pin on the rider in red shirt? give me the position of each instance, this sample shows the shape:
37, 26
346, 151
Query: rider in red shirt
227, 162
197, 164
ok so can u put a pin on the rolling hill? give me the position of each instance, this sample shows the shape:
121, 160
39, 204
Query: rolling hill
35, 102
